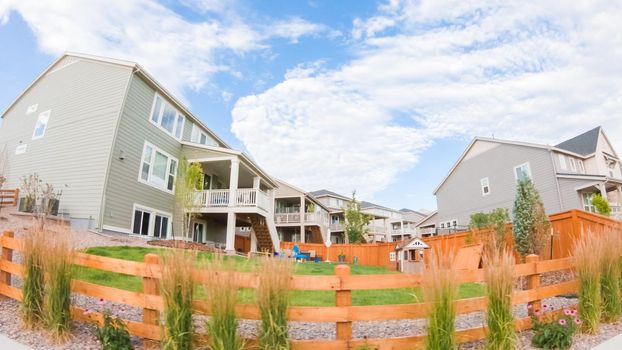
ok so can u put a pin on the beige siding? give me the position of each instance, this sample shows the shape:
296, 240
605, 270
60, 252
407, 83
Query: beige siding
85, 100
123, 188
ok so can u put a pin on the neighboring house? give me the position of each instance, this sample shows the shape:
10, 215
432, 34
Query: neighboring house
297, 212
111, 137
386, 224
566, 176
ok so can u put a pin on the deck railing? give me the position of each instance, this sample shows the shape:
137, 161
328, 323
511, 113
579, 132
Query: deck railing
343, 313
243, 197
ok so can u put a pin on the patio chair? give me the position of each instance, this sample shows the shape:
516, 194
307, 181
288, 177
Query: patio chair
298, 254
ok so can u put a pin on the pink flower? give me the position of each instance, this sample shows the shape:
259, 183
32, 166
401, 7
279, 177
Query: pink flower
577, 321
536, 312
562, 321
87, 312
567, 312
101, 301
573, 312
529, 306
545, 307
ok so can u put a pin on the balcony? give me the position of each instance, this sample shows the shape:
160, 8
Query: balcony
243, 197
336, 227
406, 231
294, 218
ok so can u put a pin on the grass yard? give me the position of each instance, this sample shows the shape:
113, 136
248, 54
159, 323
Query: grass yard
298, 297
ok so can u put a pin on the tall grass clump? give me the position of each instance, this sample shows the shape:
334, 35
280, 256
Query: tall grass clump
588, 251
440, 291
273, 298
610, 278
222, 291
33, 287
58, 266
177, 287
499, 277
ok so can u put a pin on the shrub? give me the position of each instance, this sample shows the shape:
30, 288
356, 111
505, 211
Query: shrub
58, 266
356, 221
587, 260
610, 279
478, 221
601, 205
273, 298
33, 288
440, 291
530, 225
499, 277
222, 293
177, 288
113, 334
554, 332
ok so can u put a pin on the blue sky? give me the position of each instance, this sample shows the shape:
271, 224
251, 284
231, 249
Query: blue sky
377, 96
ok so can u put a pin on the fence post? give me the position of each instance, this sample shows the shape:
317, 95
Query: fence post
533, 281
7, 255
151, 286
343, 298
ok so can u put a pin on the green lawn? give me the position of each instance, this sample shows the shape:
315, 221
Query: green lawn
298, 297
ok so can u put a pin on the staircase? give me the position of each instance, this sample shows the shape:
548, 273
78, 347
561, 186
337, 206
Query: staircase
266, 240
316, 235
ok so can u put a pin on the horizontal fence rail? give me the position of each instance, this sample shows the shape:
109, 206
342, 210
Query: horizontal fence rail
9, 197
342, 284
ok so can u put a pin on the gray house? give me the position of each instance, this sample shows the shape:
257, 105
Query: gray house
566, 175
111, 137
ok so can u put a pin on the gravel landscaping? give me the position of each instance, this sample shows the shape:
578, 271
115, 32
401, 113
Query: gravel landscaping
84, 337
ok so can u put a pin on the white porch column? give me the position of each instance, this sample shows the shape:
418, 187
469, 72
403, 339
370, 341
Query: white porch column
230, 245
233, 181
603, 190
253, 242
256, 182
302, 220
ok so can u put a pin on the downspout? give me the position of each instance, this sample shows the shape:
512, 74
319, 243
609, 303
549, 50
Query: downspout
559, 192
112, 146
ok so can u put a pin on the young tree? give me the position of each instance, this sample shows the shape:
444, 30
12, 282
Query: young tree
601, 205
498, 218
356, 221
530, 225
189, 176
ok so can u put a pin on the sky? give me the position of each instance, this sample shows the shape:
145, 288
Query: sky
380, 97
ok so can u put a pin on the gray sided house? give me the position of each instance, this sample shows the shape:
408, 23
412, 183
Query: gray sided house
111, 138
566, 175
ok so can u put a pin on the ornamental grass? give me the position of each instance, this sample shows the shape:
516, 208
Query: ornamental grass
221, 290
177, 287
33, 288
587, 253
440, 291
58, 266
610, 278
273, 299
499, 277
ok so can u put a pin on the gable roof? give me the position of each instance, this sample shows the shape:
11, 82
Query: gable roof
327, 193
137, 69
307, 194
583, 144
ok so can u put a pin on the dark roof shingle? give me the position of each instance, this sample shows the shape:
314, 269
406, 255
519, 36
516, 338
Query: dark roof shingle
583, 144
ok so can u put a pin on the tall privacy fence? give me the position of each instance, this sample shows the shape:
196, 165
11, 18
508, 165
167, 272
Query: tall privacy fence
343, 314
566, 228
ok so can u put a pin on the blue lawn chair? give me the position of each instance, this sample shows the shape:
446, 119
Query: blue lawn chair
298, 254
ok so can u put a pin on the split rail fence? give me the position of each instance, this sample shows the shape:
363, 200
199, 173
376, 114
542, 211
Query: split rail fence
9, 197
343, 314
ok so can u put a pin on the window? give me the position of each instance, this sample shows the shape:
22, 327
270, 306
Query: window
587, 202
454, 223
149, 222
562, 161
573, 164
581, 166
41, 125
442, 225
158, 168
522, 172
485, 186
165, 116
199, 136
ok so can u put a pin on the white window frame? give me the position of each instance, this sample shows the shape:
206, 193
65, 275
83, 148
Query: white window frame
573, 164
562, 161
520, 166
152, 214
43, 118
487, 185
150, 177
581, 166
158, 123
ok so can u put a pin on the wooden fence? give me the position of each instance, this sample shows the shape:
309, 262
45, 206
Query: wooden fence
342, 284
566, 227
9, 197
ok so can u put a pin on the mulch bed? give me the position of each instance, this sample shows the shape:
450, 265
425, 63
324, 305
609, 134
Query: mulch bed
171, 243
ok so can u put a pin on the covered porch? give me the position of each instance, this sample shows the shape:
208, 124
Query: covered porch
611, 189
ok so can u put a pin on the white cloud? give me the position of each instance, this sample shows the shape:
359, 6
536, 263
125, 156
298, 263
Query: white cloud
425, 70
179, 52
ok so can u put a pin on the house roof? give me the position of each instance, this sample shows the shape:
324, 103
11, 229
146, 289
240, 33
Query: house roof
583, 144
136, 69
425, 220
327, 193
307, 194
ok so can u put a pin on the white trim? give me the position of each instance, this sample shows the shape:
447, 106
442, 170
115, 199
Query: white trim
151, 166
528, 171
117, 229
582, 177
158, 123
207, 160
152, 214
45, 115
481, 182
